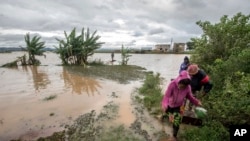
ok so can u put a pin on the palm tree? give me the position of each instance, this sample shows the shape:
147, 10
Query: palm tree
75, 50
34, 47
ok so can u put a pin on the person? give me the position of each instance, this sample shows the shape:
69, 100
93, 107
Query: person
178, 90
184, 64
199, 80
112, 56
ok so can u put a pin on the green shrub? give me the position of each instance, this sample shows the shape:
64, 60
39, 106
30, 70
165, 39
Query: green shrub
223, 51
212, 131
151, 92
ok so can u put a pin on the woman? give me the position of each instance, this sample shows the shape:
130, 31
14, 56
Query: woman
178, 90
185, 64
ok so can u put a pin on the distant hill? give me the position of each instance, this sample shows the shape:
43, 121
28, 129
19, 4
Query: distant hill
10, 49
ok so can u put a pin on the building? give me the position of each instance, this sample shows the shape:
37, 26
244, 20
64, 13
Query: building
174, 47
162, 47
179, 47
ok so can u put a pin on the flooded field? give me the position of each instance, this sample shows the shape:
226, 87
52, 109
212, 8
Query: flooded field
27, 112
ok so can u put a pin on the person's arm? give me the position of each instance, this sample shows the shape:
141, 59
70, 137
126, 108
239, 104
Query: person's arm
180, 68
207, 87
164, 102
192, 98
207, 84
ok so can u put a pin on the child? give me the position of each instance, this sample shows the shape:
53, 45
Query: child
178, 90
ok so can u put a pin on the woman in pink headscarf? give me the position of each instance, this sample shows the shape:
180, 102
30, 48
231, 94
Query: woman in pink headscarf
178, 90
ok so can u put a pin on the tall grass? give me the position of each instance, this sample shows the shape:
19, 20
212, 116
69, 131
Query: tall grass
151, 92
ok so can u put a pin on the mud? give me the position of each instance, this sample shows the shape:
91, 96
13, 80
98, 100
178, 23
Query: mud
94, 126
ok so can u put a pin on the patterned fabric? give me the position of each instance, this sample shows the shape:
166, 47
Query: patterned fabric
175, 118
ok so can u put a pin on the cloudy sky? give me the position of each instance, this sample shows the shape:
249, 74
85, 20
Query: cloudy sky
134, 23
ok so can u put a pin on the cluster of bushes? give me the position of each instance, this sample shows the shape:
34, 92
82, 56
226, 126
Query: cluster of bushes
224, 52
76, 49
151, 93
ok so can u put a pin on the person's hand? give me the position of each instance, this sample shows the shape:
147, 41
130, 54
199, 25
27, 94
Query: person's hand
164, 109
199, 103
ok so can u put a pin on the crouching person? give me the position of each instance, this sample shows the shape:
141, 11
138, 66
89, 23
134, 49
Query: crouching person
178, 90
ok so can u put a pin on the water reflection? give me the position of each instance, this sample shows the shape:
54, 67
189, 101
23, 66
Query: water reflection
80, 84
40, 78
24, 78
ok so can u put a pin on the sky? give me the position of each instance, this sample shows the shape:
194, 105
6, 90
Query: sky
132, 23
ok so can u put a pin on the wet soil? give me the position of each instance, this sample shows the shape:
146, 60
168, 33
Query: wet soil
101, 126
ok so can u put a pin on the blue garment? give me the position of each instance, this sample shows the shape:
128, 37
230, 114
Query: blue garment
183, 66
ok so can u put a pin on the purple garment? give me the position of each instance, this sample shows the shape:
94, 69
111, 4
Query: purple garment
183, 67
175, 97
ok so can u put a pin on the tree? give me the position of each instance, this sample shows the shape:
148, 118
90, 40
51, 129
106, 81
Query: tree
125, 55
224, 52
75, 50
220, 40
34, 47
190, 45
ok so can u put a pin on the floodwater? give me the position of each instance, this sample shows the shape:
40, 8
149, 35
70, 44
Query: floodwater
25, 114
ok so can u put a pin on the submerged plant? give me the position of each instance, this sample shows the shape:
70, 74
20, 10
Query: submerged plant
50, 97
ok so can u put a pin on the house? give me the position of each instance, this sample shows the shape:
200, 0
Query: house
162, 47
179, 47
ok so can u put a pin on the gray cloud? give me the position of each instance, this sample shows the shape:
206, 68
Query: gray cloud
130, 22
156, 31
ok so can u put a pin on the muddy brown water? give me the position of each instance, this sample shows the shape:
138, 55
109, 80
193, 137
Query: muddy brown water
25, 114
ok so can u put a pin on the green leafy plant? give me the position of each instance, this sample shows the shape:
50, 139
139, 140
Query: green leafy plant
125, 55
76, 49
223, 51
152, 92
34, 47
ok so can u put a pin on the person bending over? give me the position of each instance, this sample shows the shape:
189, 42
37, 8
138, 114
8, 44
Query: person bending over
178, 90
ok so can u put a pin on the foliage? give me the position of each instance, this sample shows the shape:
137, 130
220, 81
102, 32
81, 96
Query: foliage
213, 131
221, 40
76, 49
151, 91
119, 133
21, 59
224, 52
98, 62
190, 45
10, 64
34, 47
125, 55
